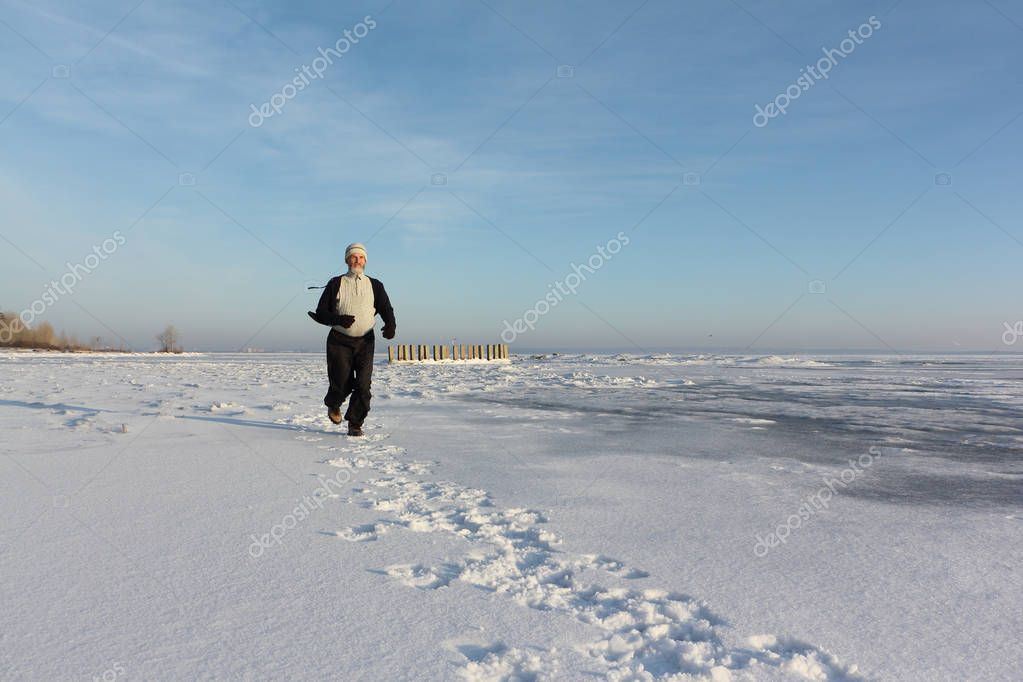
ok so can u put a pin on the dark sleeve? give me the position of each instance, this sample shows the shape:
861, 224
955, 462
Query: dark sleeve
383, 304
326, 311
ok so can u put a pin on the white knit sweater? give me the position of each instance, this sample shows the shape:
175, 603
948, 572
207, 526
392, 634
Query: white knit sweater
355, 298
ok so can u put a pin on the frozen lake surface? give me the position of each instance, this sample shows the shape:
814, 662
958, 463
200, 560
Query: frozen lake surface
569, 517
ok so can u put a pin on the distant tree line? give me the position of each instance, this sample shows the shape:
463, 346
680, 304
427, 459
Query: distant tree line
169, 340
16, 334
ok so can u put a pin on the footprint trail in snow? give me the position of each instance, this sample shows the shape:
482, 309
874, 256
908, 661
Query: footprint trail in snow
641, 634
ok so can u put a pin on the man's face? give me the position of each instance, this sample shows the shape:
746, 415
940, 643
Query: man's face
356, 261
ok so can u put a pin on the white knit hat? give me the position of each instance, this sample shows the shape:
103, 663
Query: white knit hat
355, 248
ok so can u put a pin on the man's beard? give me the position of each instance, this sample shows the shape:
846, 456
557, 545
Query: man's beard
357, 269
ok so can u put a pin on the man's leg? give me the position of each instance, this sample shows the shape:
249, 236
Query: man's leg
352, 388
339, 373
358, 406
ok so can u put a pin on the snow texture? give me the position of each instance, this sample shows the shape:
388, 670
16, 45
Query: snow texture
619, 517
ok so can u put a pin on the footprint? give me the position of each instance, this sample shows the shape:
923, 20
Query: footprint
424, 577
497, 662
365, 533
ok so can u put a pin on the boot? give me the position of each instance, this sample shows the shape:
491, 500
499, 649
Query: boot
334, 413
354, 429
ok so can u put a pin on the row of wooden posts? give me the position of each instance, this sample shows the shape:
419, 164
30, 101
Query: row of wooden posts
419, 352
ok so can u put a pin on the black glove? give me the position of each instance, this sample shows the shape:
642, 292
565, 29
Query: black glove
331, 319
388, 332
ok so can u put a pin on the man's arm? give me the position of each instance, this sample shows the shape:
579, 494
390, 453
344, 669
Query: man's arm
326, 310
383, 307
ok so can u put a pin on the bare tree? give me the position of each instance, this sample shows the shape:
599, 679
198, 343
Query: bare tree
168, 339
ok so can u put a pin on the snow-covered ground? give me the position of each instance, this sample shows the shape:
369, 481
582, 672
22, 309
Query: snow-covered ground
567, 517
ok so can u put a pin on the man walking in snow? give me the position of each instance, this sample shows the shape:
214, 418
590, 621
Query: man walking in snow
349, 305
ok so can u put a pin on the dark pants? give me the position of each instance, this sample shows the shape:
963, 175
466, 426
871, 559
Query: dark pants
350, 369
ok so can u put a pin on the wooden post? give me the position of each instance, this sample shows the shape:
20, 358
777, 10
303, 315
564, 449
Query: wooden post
390, 355
490, 351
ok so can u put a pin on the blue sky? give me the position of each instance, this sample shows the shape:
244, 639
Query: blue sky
650, 133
